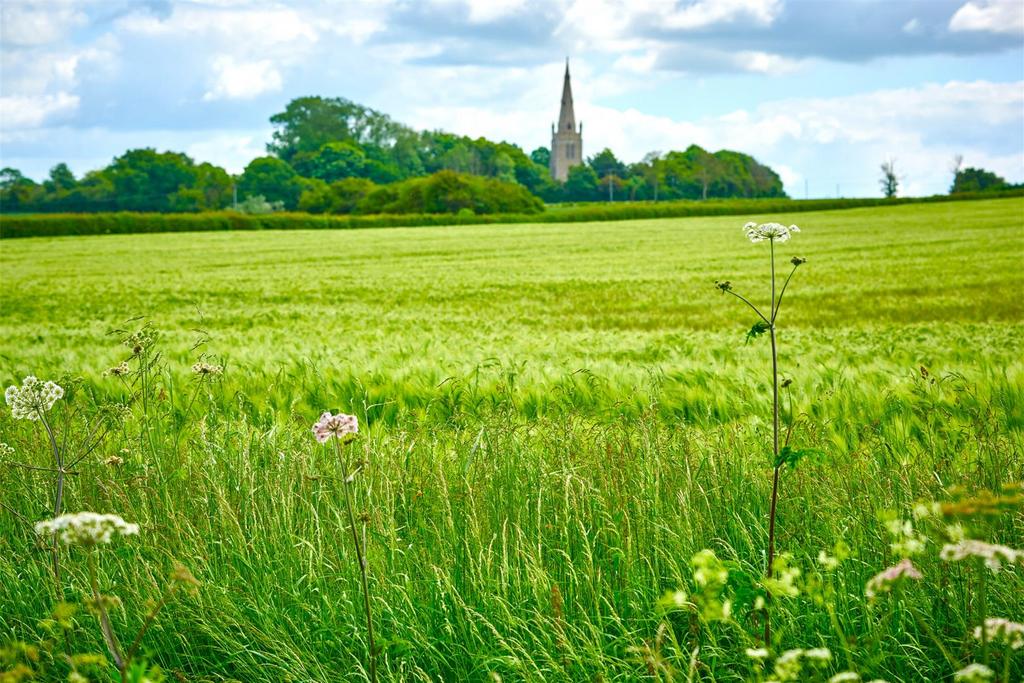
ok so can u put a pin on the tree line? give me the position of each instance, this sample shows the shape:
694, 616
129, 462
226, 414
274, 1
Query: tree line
331, 155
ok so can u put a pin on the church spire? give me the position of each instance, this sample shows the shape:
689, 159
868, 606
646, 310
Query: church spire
566, 116
566, 139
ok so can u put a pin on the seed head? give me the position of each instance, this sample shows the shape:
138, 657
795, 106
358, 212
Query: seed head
86, 529
797, 261
340, 426
33, 398
724, 285
119, 370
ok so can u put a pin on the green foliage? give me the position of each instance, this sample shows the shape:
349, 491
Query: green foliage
449, 192
977, 180
272, 179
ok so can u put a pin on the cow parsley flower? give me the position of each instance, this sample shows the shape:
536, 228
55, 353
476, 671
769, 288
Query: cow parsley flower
999, 630
974, 673
758, 653
86, 529
993, 555
776, 232
884, 581
6, 451
340, 426
33, 398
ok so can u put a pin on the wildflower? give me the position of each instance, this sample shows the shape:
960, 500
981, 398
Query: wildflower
5, 450
993, 555
724, 285
340, 426
999, 630
929, 509
786, 383
845, 677
884, 581
114, 461
33, 398
974, 673
827, 561
86, 529
759, 653
119, 370
784, 581
818, 654
203, 368
797, 260
769, 231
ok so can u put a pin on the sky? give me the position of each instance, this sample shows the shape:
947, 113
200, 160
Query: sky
823, 91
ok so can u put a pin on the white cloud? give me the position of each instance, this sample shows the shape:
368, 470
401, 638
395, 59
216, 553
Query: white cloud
766, 63
19, 112
235, 80
992, 16
26, 25
231, 150
704, 13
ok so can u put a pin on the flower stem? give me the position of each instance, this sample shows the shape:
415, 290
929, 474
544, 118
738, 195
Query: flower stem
775, 450
362, 563
105, 626
58, 501
982, 614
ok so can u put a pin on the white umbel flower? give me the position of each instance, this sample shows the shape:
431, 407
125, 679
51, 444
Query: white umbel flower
32, 398
999, 630
993, 555
86, 529
974, 673
769, 231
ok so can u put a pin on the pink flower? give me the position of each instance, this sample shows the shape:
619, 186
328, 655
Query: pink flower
886, 579
339, 426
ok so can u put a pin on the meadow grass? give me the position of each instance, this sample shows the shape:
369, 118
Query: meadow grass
557, 419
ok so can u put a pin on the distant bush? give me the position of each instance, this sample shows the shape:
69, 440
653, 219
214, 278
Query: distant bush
39, 225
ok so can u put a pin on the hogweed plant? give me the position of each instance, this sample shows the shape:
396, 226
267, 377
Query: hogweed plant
342, 429
32, 401
89, 531
772, 233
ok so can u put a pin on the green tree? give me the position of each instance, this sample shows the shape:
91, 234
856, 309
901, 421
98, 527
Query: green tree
976, 180
890, 182
308, 123
145, 180
61, 179
605, 163
541, 156
333, 161
272, 179
581, 185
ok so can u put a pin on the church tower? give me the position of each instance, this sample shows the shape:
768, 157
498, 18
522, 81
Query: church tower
566, 139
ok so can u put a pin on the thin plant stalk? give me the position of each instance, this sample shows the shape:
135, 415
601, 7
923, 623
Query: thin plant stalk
362, 563
109, 637
58, 500
775, 443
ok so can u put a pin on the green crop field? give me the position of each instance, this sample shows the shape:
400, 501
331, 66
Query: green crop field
555, 420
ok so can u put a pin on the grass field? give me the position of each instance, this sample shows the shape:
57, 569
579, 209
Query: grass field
555, 420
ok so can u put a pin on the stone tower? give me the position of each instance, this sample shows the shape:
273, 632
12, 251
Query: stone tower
566, 139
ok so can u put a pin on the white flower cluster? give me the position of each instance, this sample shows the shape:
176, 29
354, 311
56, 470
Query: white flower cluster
999, 630
33, 398
6, 451
993, 555
974, 673
204, 368
883, 581
86, 528
906, 542
769, 231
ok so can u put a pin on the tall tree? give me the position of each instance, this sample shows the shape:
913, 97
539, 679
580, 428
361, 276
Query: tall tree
889, 181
